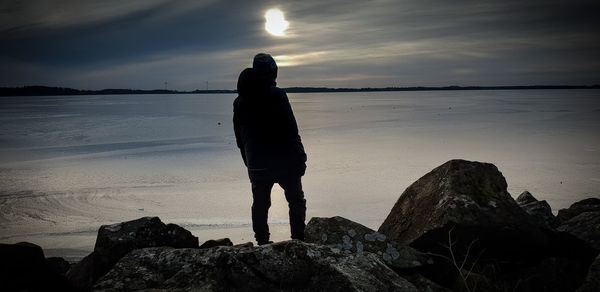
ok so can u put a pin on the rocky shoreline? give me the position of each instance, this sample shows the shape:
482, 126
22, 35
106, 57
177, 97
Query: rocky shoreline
455, 229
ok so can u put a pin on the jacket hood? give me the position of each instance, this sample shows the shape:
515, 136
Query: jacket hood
251, 83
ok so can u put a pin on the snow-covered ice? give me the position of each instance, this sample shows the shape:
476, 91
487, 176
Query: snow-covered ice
71, 163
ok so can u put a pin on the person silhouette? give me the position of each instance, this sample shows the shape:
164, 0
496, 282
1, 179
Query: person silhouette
267, 135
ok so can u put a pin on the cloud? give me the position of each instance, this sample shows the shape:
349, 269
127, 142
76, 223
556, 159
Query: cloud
28, 16
329, 43
32, 15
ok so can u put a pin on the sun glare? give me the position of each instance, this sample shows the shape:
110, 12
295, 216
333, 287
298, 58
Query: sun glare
276, 23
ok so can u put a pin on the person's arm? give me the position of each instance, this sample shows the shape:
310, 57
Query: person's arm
290, 119
237, 131
291, 126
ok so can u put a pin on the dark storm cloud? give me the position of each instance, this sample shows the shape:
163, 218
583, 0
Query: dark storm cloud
95, 44
153, 27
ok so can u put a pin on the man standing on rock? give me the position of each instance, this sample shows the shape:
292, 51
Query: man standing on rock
267, 135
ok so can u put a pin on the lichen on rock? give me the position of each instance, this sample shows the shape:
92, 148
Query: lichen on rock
283, 266
354, 238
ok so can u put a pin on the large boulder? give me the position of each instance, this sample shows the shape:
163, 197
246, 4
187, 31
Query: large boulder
351, 237
23, 267
462, 215
582, 220
284, 266
539, 210
466, 206
116, 240
592, 281
585, 226
585, 205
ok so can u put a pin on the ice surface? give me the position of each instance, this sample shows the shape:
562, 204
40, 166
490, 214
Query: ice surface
71, 163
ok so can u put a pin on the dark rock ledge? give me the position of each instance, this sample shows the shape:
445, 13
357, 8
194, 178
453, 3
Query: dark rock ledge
455, 229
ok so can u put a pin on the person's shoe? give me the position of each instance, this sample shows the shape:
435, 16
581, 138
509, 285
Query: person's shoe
264, 242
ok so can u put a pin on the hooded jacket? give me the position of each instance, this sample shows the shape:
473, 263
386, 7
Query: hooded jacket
266, 130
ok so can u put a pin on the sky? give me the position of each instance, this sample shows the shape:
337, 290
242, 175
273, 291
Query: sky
96, 44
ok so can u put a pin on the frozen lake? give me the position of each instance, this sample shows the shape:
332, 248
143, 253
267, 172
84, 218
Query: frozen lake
71, 163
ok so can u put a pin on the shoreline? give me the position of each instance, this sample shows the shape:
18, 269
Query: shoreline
73, 246
467, 201
76, 244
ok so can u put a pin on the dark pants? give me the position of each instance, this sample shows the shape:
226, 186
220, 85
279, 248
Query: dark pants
261, 193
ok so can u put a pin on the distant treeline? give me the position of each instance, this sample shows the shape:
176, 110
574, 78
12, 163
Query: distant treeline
428, 88
46, 90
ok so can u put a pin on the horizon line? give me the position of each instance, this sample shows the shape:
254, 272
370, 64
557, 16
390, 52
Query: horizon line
33, 90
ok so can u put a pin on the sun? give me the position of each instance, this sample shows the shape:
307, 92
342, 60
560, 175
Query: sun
276, 23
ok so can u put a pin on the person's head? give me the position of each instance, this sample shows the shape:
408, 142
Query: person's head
265, 66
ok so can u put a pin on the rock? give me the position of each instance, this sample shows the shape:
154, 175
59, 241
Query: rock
549, 275
462, 215
217, 242
592, 281
83, 274
116, 240
351, 237
586, 205
58, 265
585, 226
284, 266
469, 202
526, 198
245, 244
539, 210
582, 220
425, 285
23, 267
476, 282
